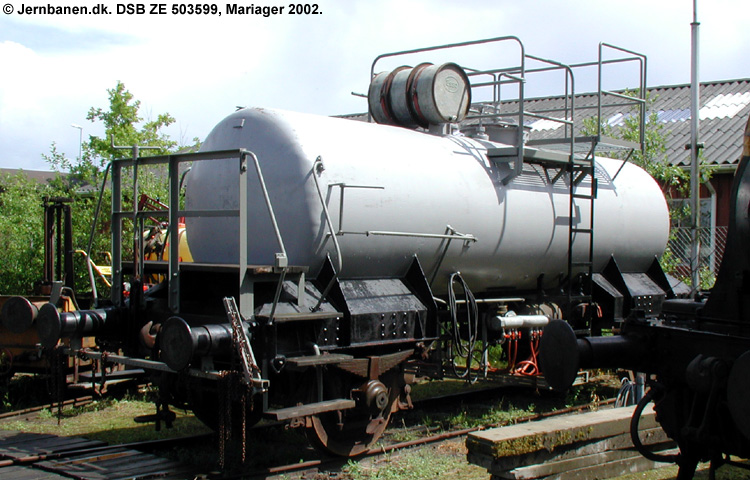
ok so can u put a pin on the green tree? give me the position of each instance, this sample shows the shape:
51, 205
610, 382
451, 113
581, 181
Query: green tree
123, 123
674, 180
21, 233
21, 222
653, 158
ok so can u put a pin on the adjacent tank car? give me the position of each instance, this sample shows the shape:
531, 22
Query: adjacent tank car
696, 352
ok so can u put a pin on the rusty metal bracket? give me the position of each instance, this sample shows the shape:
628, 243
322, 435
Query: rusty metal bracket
251, 374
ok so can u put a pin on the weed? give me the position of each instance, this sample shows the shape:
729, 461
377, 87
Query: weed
417, 464
354, 469
45, 414
591, 392
402, 433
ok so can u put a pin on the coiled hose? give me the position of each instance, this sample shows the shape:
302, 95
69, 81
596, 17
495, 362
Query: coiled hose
464, 347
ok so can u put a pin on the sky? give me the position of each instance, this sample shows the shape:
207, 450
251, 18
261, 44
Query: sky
199, 68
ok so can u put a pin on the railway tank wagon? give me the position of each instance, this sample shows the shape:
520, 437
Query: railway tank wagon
393, 194
335, 260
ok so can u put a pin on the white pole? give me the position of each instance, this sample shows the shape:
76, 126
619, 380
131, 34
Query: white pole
80, 140
695, 219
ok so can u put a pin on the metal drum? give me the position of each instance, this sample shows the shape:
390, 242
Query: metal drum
421, 96
378, 96
443, 94
400, 97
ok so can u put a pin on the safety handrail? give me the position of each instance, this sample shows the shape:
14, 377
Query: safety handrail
267, 199
174, 213
281, 260
640, 100
318, 167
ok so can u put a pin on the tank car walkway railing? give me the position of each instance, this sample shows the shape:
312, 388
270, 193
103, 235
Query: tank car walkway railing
576, 153
514, 75
573, 154
174, 213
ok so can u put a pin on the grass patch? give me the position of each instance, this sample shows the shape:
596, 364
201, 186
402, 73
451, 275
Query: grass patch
470, 416
108, 420
725, 472
447, 460
449, 386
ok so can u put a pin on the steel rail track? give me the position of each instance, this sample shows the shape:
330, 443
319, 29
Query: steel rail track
72, 402
373, 452
439, 401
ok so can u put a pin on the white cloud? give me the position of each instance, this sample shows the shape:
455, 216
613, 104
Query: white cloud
22, 87
198, 68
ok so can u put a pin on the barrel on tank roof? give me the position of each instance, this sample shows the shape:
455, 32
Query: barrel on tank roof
420, 96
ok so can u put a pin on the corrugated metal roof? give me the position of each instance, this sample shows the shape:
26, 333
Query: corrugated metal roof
39, 176
725, 107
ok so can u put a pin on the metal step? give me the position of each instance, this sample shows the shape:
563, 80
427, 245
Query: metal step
532, 155
581, 264
311, 409
314, 360
583, 196
116, 375
300, 316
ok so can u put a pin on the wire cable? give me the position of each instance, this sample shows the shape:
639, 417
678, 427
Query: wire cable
464, 347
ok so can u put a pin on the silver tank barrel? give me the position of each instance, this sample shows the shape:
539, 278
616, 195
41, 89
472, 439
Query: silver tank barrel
413, 188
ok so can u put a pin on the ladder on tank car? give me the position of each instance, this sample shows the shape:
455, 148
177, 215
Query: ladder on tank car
571, 156
581, 171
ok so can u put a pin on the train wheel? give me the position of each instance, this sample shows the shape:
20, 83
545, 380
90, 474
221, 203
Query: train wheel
349, 433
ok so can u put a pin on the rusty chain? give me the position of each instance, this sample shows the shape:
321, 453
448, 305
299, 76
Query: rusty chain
223, 414
57, 373
244, 425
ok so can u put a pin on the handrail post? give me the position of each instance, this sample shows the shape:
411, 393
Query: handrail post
116, 203
247, 297
318, 165
281, 260
174, 234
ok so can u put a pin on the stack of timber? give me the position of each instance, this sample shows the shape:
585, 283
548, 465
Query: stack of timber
584, 446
